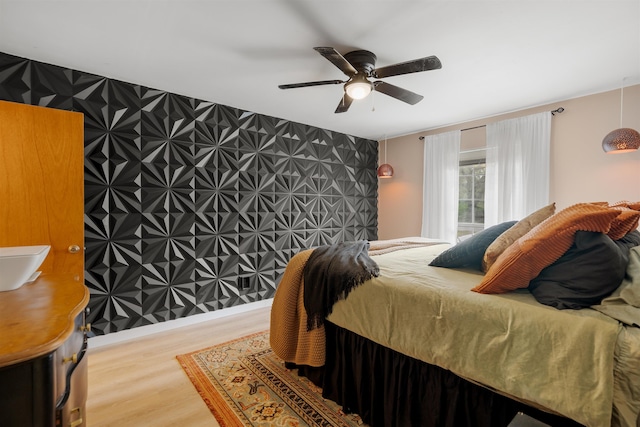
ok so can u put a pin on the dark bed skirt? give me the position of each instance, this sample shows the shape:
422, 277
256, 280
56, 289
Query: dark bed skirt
388, 389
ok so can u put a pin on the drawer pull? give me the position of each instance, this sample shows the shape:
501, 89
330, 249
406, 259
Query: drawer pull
73, 358
86, 328
77, 422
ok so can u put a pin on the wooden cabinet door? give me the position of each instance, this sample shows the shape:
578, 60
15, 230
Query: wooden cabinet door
42, 183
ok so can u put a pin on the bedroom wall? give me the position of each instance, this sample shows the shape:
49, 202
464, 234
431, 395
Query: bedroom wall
580, 170
185, 196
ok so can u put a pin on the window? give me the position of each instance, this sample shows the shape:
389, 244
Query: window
471, 197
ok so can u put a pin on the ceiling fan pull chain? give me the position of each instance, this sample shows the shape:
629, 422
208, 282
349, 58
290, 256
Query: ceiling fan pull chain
373, 99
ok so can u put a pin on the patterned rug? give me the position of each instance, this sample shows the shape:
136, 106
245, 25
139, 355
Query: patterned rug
245, 384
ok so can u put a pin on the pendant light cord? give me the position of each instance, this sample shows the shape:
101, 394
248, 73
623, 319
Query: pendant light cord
385, 149
621, 101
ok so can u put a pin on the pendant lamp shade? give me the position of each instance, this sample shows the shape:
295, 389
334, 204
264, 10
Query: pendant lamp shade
385, 170
621, 140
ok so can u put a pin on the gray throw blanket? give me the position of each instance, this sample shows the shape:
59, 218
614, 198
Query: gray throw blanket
331, 272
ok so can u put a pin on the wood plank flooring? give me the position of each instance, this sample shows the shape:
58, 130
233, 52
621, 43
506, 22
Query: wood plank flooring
140, 383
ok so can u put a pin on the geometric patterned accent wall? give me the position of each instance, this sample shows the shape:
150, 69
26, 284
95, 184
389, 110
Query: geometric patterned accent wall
183, 197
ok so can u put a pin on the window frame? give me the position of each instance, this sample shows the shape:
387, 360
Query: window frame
470, 228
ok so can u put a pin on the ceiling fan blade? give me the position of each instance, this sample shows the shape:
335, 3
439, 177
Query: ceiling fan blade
397, 92
345, 103
336, 59
415, 66
307, 84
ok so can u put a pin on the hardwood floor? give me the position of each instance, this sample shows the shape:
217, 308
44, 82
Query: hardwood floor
140, 383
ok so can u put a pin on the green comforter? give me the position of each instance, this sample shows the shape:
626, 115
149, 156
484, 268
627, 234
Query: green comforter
560, 360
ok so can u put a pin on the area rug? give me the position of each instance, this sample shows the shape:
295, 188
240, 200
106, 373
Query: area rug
245, 384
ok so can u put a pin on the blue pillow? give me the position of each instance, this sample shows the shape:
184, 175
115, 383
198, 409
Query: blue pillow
469, 252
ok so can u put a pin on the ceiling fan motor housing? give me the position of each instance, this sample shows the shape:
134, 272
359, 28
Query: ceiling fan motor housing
362, 60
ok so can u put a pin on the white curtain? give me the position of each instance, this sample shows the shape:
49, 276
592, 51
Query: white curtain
440, 186
517, 173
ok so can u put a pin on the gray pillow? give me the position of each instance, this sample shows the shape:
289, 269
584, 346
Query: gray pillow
469, 252
589, 271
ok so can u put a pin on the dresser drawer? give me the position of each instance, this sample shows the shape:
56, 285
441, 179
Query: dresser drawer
68, 355
71, 377
71, 409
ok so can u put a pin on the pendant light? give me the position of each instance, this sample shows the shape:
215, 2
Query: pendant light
621, 140
385, 170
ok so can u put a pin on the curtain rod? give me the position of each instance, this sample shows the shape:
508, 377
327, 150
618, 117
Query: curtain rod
553, 113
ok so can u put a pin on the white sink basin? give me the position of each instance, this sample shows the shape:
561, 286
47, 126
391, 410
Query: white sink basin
18, 265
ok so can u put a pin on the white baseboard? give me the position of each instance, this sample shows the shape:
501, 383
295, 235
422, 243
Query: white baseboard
142, 331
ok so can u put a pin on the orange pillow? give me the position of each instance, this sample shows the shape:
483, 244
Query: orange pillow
542, 246
624, 223
507, 238
627, 204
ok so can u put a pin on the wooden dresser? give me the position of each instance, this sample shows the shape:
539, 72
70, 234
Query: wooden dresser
43, 368
43, 333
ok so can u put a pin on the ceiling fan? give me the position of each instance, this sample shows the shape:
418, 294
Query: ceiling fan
359, 66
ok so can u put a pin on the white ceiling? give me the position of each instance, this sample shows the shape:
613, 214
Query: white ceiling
497, 56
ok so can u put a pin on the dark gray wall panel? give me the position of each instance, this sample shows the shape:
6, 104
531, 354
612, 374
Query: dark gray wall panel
184, 196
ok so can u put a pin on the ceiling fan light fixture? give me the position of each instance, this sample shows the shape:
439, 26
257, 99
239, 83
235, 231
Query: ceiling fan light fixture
358, 87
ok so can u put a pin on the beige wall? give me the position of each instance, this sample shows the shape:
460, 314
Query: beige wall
580, 170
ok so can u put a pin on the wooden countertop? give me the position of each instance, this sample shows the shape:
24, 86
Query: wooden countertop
38, 317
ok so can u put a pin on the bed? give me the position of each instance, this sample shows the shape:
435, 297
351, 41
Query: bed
416, 346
